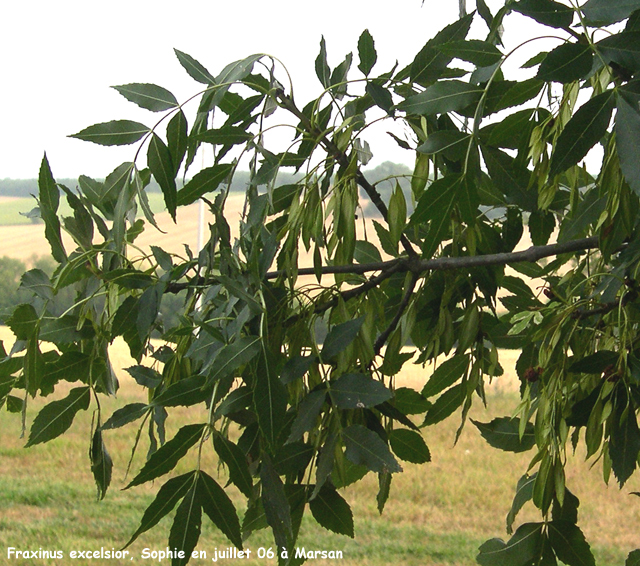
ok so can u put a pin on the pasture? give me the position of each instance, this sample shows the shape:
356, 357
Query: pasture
438, 513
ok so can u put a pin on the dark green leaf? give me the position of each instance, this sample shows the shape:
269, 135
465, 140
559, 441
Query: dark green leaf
49, 198
546, 12
37, 282
56, 417
177, 139
275, 503
628, 141
340, 337
168, 455
586, 128
366, 52
568, 511
186, 392
524, 493
633, 559
624, 443
586, 213
23, 321
608, 12
357, 391
623, 49
480, 53
435, 206
116, 132
219, 508
308, 412
227, 135
366, 252
296, 368
541, 226
523, 547
569, 544
364, 447
196, 70
332, 512
125, 415
149, 96
145, 376
566, 63
232, 356
33, 374
384, 489
101, 463
443, 96
445, 405
409, 445
293, 458
409, 401
594, 363
203, 182
269, 400
452, 144
446, 374
503, 433
185, 529
381, 96
63, 330
430, 63
160, 164
236, 462
323, 72
167, 497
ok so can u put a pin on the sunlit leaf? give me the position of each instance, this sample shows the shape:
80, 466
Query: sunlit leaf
149, 96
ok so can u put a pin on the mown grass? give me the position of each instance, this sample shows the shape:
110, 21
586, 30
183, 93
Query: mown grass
438, 513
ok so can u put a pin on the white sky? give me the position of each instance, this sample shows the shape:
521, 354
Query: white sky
58, 60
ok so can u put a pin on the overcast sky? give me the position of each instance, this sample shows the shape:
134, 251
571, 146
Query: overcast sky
58, 60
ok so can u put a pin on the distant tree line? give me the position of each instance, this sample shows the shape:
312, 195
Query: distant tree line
28, 187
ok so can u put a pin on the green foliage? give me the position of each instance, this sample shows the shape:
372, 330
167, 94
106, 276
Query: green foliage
293, 411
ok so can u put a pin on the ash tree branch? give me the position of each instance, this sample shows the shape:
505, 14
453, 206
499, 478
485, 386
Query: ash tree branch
419, 267
382, 339
342, 158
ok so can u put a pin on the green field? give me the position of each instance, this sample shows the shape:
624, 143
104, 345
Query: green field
13, 209
438, 514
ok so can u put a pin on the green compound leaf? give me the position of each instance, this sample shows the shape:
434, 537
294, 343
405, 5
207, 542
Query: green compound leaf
56, 417
116, 132
364, 447
332, 512
148, 96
